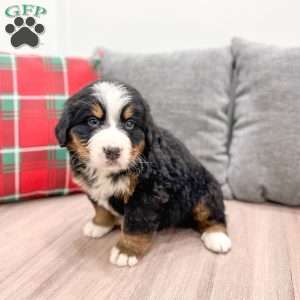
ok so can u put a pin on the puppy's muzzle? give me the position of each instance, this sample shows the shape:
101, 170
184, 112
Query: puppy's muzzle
112, 153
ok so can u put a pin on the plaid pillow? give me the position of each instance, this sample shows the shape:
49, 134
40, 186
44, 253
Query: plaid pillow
33, 90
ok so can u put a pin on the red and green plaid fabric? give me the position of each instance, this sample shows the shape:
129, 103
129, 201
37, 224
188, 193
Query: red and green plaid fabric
33, 90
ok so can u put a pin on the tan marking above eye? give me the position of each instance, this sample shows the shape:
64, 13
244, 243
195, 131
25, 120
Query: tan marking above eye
97, 111
128, 112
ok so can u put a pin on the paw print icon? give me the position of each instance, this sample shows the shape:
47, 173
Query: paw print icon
24, 32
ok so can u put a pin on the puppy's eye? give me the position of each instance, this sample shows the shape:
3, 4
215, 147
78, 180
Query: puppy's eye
129, 124
93, 122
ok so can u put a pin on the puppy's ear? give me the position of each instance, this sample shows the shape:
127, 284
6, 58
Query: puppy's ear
150, 127
62, 128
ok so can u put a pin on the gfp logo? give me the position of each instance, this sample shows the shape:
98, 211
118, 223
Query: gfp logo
25, 29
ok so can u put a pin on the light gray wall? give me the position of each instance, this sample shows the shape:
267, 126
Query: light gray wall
77, 27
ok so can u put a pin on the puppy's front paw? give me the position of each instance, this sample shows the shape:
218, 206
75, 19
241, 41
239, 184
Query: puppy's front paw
218, 242
122, 259
95, 231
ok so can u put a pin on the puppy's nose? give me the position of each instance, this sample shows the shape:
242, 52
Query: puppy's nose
112, 153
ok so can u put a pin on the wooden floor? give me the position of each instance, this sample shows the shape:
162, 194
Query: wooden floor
43, 255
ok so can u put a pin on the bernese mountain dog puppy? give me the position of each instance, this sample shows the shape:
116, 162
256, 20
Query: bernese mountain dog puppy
135, 173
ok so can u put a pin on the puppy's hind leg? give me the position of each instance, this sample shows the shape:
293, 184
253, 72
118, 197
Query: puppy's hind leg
102, 223
209, 217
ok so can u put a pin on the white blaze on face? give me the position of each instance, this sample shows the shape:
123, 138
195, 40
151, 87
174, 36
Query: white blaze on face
114, 98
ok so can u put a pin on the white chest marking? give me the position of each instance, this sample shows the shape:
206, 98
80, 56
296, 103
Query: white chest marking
104, 187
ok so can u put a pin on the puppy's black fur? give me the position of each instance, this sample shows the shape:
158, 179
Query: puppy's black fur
170, 183
169, 187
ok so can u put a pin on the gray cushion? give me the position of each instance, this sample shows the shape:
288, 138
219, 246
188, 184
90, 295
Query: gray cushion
188, 94
265, 149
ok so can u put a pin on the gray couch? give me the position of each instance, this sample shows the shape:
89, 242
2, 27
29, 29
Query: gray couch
236, 108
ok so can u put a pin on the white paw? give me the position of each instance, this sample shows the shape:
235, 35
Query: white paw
121, 259
216, 241
95, 231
